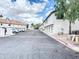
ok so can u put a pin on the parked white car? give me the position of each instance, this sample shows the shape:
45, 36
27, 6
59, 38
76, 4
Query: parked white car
15, 30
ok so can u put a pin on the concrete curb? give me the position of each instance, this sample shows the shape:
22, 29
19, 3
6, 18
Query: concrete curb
7, 35
73, 47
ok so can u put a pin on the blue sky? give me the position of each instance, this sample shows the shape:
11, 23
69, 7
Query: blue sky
27, 10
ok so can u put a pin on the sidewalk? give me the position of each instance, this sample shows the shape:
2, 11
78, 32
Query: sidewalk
66, 41
7, 35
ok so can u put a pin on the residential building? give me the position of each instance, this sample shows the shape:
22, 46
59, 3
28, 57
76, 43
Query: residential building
7, 26
57, 26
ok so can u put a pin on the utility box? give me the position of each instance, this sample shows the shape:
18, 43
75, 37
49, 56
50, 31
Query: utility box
2, 32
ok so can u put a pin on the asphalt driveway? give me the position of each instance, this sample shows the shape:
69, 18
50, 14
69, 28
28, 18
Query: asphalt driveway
34, 45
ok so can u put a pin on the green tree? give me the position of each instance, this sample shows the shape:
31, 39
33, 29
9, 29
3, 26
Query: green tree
1, 15
69, 9
71, 13
60, 8
36, 26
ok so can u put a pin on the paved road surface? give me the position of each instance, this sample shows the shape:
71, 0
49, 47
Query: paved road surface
33, 45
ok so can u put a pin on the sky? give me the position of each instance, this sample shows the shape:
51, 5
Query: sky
26, 10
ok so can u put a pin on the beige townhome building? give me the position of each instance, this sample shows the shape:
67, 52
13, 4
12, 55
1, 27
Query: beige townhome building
8, 27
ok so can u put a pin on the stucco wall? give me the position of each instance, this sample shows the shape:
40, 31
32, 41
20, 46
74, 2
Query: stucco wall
59, 24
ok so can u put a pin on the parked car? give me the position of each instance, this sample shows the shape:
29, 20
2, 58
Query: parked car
15, 31
75, 32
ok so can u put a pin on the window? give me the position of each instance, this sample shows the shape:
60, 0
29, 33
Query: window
9, 24
1, 23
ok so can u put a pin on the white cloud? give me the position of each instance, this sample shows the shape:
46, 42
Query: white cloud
34, 20
27, 15
46, 0
21, 8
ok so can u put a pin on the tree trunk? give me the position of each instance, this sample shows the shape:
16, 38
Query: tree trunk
69, 27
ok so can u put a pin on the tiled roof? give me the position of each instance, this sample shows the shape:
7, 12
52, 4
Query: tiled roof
15, 22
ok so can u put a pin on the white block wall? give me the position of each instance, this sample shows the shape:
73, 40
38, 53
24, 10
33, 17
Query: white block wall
9, 31
58, 24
